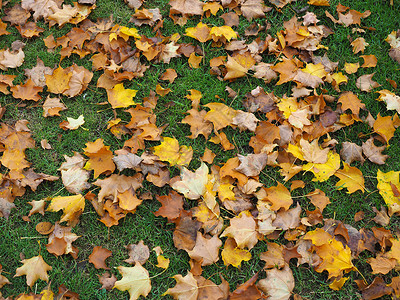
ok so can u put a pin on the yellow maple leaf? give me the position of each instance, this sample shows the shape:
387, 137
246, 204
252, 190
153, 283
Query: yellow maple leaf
335, 258
119, 97
316, 70
71, 206
388, 185
224, 32
232, 255
129, 31
58, 82
220, 115
170, 151
201, 32
350, 178
319, 2
322, 172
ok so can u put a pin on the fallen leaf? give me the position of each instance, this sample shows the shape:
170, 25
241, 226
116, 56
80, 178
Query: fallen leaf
135, 280
206, 250
232, 255
137, 253
34, 268
350, 178
366, 84
170, 151
185, 287
72, 207
279, 284
98, 257
72, 124
243, 230
100, 158
119, 97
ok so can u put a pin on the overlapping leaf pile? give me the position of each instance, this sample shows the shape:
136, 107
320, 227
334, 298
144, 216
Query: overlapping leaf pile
292, 133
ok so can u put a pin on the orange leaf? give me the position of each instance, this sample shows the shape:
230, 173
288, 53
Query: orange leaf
100, 158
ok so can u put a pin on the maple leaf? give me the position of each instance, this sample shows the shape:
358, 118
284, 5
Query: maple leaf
351, 152
238, 66
100, 157
374, 153
79, 80
34, 268
29, 30
279, 196
243, 229
127, 161
27, 91
170, 151
279, 284
192, 184
252, 9
113, 186
319, 199
41, 8
60, 241
319, 2
135, 280
384, 127
37, 207
394, 41
232, 255
72, 123
322, 172
137, 253
335, 258
98, 257
365, 83
252, 164
107, 281
350, 101
52, 107
169, 74
387, 184
350, 178
185, 288
245, 120
201, 32
273, 257
58, 81
392, 100
185, 233
118, 96
11, 59
73, 176
288, 219
220, 115
198, 125
359, 45
206, 250
16, 15
172, 205
72, 207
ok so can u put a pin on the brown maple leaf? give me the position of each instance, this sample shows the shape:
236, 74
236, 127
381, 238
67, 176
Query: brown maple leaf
98, 257
137, 253
27, 91
172, 205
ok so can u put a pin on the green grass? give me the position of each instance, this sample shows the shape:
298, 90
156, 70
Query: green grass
20, 239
